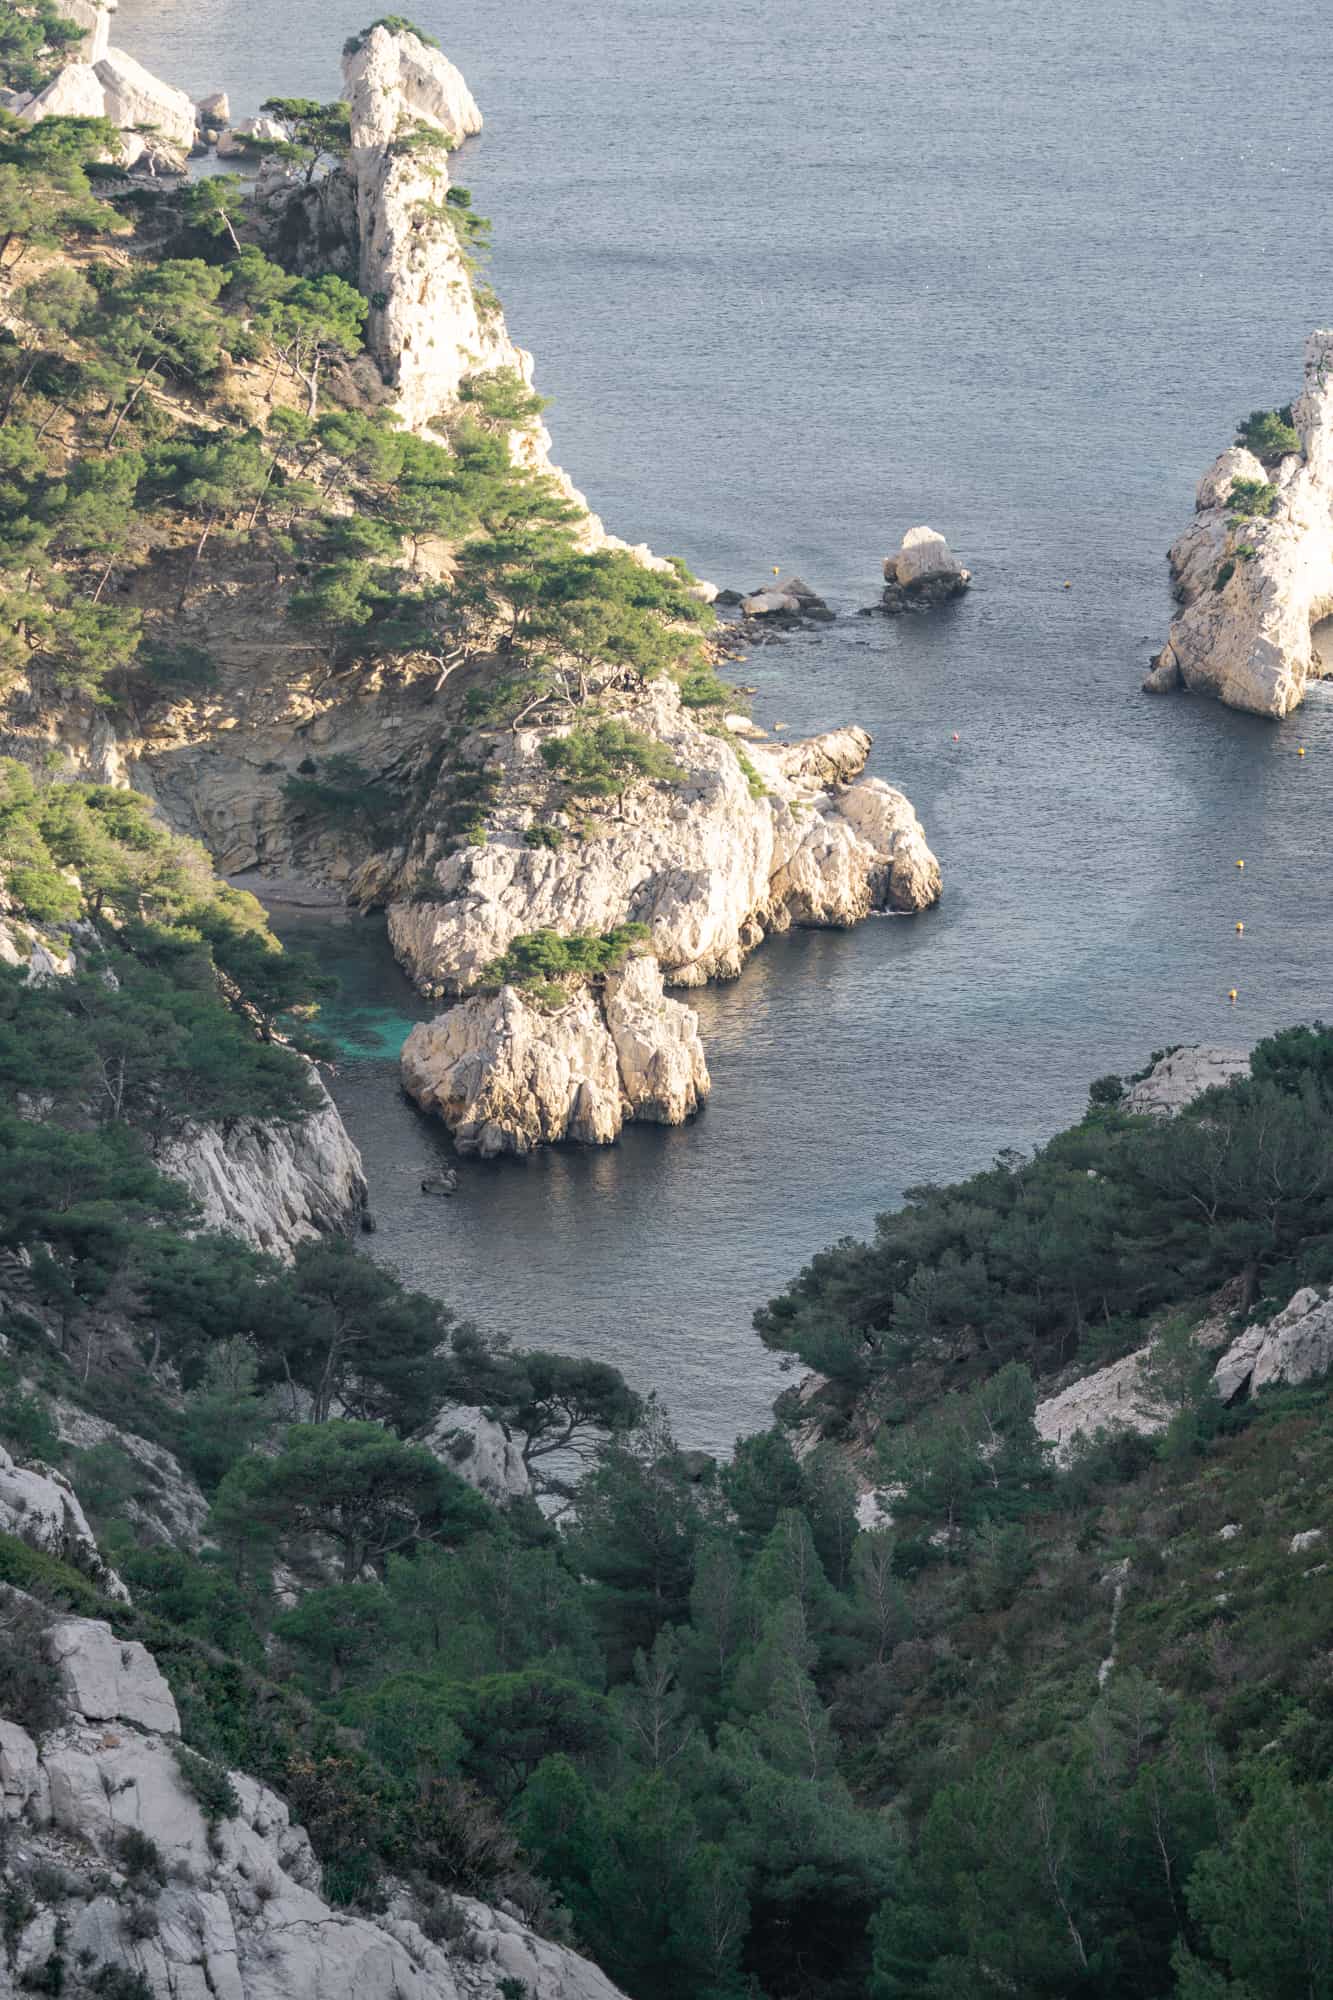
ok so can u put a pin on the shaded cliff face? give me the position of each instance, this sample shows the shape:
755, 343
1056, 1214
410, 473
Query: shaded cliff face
237, 1908
1255, 585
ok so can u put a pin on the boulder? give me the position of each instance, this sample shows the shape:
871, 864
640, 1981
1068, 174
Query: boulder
1309, 1538
73, 92
233, 142
215, 109
1178, 1078
104, 1678
135, 98
479, 1450
1254, 586
923, 572
770, 604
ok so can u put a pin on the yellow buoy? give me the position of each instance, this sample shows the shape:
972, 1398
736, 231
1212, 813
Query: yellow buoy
1231, 996
1068, 586
1301, 751
1240, 864
776, 570
1240, 927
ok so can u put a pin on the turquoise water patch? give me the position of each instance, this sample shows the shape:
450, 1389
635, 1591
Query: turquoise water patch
368, 1034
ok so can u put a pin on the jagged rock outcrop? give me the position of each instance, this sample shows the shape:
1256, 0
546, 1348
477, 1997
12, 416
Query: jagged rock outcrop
1295, 1346
507, 1072
40, 1507
275, 1183
479, 1450
94, 17
1120, 1396
1178, 1078
1254, 586
239, 1912
710, 863
923, 572
167, 1508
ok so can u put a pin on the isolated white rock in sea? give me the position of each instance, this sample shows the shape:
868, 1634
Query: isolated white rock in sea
711, 863
1254, 587
507, 1074
1182, 1076
924, 557
273, 1182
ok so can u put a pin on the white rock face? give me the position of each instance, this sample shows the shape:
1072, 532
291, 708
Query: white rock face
1295, 1346
1248, 642
925, 557
1118, 1396
275, 1184
232, 144
135, 97
94, 17
106, 1679
241, 1913
41, 1508
477, 1448
707, 865
169, 1509
1182, 1076
73, 92
507, 1075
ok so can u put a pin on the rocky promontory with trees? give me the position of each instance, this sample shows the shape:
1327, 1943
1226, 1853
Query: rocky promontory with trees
314, 584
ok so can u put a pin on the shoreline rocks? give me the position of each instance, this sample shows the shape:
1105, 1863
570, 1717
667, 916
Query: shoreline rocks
1254, 584
507, 1073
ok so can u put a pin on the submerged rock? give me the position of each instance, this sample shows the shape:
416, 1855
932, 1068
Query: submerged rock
1254, 585
508, 1073
924, 572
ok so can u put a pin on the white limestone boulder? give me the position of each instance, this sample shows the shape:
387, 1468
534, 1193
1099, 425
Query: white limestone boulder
480, 1451
1254, 587
137, 99
104, 1678
924, 557
73, 92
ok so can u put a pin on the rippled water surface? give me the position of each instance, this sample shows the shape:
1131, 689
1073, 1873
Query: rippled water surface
798, 278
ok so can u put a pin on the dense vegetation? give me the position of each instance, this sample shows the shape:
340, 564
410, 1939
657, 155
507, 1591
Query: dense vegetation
1269, 434
693, 1718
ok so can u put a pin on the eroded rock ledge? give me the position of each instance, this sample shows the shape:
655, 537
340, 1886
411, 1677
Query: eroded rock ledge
1254, 586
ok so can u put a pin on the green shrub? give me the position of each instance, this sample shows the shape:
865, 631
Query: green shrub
544, 836
211, 1787
701, 688
48, 1579
1269, 434
603, 761
1251, 498
758, 789
27, 1427
539, 958
397, 24
1224, 575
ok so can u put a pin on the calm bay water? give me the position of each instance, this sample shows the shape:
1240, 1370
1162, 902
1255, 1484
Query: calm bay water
797, 279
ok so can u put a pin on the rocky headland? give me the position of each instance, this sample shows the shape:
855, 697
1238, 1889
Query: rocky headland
474, 839
1254, 570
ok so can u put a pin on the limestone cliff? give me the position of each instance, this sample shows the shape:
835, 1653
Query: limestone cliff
507, 1073
234, 1908
1254, 586
273, 1183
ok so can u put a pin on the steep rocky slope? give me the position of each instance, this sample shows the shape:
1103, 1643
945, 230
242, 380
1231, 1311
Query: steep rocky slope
1254, 584
114, 1863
